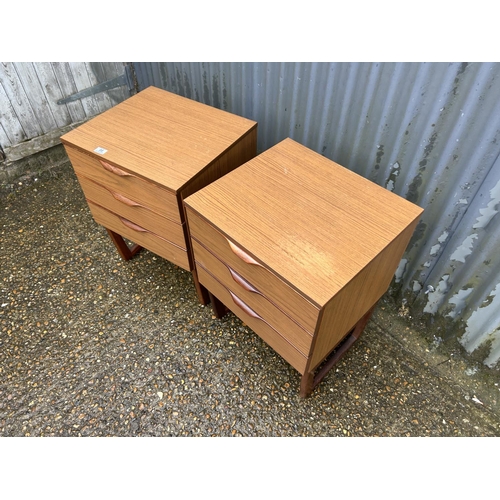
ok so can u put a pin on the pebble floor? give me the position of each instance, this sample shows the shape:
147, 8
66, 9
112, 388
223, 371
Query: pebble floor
91, 345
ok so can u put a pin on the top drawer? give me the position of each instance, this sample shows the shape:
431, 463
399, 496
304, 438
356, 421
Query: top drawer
284, 296
159, 200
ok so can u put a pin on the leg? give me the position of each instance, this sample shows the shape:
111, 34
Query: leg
218, 307
202, 292
310, 381
123, 249
306, 384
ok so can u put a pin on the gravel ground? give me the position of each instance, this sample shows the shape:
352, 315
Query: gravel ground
91, 345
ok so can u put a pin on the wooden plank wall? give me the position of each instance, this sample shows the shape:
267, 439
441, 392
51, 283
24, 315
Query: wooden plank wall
30, 118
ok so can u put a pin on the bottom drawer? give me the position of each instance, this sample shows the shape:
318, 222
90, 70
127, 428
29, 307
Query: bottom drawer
259, 325
141, 236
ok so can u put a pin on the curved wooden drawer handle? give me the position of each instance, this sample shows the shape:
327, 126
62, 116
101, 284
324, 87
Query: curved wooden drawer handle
123, 199
131, 225
114, 170
242, 282
244, 307
241, 254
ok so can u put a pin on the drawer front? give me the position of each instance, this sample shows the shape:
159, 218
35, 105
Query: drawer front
259, 325
254, 298
133, 211
141, 236
286, 298
151, 195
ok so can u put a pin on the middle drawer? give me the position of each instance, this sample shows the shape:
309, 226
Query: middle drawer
134, 211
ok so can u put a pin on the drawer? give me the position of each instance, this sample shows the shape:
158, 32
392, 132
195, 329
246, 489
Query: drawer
277, 291
160, 200
134, 211
254, 298
258, 324
141, 236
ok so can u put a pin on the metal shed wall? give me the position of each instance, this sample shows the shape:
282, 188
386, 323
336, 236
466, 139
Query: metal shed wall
429, 132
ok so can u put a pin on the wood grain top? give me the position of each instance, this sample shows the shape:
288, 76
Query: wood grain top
312, 221
161, 136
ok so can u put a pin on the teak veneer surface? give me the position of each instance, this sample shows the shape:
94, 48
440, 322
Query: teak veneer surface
137, 161
279, 342
153, 196
257, 300
161, 136
261, 277
136, 233
166, 228
313, 222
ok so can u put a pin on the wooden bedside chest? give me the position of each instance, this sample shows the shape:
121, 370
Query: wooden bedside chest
300, 249
137, 161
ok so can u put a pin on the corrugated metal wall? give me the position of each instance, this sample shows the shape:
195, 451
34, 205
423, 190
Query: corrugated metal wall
430, 132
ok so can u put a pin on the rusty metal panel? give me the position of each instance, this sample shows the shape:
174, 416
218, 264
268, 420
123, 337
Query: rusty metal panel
429, 132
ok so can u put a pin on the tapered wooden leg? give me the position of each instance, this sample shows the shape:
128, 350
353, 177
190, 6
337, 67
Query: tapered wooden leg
123, 249
310, 380
218, 307
306, 384
201, 291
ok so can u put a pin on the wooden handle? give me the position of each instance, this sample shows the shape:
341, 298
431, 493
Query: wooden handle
133, 226
242, 281
123, 199
115, 170
244, 307
241, 254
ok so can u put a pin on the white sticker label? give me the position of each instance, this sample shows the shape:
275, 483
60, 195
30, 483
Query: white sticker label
101, 151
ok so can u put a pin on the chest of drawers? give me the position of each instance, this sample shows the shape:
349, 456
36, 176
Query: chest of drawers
137, 161
300, 249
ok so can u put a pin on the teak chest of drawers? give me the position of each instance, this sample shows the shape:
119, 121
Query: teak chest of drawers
300, 249
137, 161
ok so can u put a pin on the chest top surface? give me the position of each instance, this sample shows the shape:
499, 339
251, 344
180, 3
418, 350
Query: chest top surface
160, 136
312, 221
